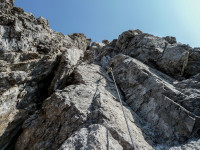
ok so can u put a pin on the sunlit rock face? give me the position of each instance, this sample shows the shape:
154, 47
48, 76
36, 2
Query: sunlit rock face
56, 93
6, 5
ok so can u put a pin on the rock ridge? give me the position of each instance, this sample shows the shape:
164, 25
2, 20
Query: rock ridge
56, 93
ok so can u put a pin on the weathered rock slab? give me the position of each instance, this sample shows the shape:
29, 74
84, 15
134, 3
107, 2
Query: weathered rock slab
145, 90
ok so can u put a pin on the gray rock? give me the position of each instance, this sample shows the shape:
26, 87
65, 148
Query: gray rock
69, 112
6, 5
69, 60
193, 144
191, 88
55, 92
105, 60
174, 60
193, 66
146, 91
93, 137
29, 55
165, 54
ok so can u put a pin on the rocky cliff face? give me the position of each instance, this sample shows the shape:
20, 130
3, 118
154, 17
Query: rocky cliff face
56, 93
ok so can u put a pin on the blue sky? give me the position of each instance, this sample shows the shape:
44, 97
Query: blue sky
106, 19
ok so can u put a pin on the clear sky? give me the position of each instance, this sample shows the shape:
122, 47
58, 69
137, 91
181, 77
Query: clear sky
106, 19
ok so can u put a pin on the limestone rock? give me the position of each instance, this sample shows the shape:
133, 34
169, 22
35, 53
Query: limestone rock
146, 91
93, 137
79, 107
193, 66
29, 54
6, 5
55, 92
193, 144
191, 88
69, 60
174, 60
164, 54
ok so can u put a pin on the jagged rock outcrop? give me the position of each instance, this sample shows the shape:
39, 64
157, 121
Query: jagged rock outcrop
193, 66
6, 5
63, 115
153, 98
55, 92
29, 55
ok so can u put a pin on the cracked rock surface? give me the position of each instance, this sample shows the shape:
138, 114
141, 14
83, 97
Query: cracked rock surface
64, 115
56, 93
